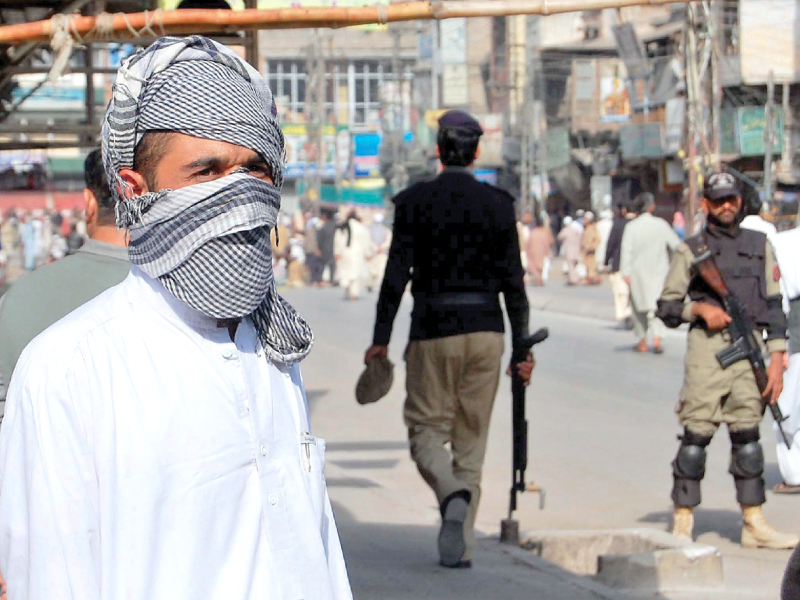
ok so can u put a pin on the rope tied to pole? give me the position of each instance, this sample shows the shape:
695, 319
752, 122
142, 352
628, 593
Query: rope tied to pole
62, 43
152, 18
383, 13
64, 37
104, 26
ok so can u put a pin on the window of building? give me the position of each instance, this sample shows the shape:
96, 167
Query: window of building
357, 84
287, 80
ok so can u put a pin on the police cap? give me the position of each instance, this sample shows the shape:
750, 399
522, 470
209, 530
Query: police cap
721, 185
458, 119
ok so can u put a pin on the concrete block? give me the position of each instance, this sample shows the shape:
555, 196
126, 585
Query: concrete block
633, 559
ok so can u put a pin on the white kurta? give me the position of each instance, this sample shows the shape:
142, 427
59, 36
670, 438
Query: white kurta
644, 257
787, 253
352, 265
604, 226
758, 223
144, 455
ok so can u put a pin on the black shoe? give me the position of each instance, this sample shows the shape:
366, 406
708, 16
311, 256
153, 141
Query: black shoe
451, 543
462, 564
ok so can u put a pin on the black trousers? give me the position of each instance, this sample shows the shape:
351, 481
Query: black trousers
316, 266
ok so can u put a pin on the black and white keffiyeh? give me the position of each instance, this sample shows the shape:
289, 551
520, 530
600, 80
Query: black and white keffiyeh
207, 243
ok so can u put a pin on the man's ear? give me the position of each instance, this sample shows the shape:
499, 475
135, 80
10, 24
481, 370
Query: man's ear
91, 206
477, 153
135, 182
704, 205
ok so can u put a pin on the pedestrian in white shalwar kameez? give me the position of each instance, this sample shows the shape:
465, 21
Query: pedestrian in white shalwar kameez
381, 242
352, 245
604, 226
753, 220
787, 251
156, 441
644, 263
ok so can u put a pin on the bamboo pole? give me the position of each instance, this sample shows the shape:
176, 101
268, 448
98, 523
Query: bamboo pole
186, 21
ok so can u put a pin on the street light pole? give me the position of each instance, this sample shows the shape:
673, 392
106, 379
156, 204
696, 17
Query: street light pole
769, 138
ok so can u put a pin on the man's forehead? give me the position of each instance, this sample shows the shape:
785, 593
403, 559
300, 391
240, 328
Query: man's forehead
192, 147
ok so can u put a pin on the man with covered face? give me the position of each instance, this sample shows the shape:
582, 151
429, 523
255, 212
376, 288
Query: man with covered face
157, 442
710, 394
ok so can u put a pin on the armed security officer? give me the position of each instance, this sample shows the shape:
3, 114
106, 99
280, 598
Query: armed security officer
711, 395
456, 239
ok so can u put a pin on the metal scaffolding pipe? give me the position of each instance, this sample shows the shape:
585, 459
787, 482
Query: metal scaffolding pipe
186, 21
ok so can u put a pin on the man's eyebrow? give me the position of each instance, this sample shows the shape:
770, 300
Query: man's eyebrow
256, 160
205, 163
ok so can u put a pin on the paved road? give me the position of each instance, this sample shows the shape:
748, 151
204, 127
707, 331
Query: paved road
602, 437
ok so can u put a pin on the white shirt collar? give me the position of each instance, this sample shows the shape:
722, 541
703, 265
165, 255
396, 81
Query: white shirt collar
163, 302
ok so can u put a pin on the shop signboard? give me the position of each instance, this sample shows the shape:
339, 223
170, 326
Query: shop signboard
365, 155
557, 148
300, 152
752, 123
729, 132
641, 141
615, 103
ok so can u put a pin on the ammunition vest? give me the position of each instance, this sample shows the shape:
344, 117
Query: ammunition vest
741, 261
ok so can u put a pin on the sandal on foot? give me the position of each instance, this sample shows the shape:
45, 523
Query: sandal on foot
783, 488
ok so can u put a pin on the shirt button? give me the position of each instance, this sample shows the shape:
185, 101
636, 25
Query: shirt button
227, 354
272, 499
263, 450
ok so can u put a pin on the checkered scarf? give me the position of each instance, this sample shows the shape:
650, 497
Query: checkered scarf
207, 243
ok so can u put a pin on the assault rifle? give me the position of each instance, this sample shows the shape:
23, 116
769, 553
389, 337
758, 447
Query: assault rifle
509, 528
744, 345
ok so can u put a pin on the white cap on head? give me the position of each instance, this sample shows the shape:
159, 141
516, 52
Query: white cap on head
606, 213
579, 213
378, 218
567, 220
588, 215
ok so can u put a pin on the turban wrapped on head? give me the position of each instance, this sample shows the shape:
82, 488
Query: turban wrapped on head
207, 243
191, 85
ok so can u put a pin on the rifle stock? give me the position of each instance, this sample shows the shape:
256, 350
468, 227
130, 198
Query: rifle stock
707, 269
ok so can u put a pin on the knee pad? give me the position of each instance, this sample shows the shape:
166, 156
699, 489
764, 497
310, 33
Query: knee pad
747, 460
690, 463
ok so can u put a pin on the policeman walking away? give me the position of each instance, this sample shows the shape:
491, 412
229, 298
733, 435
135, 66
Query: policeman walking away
456, 240
710, 394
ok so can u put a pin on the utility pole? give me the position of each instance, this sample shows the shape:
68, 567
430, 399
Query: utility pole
769, 138
716, 83
315, 119
435, 65
399, 176
251, 39
536, 89
90, 116
787, 157
689, 49
524, 109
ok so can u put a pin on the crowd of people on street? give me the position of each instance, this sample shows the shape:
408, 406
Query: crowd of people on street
342, 247
30, 239
334, 248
